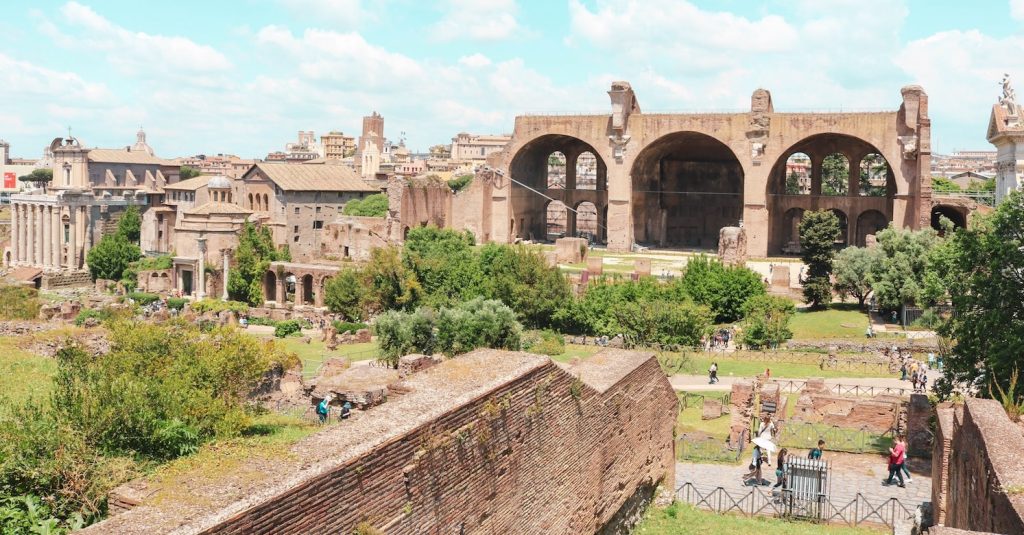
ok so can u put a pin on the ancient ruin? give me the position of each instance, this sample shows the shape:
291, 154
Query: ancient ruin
675, 180
491, 441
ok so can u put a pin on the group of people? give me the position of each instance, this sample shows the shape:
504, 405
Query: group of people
761, 455
718, 341
916, 372
323, 409
898, 461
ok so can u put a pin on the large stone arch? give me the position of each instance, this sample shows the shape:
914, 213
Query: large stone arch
270, 288
819, 146
956, 214
869, 222
686, 186
528, 190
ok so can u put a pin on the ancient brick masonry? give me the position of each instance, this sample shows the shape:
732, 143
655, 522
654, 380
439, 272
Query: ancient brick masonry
986, 470
489, 442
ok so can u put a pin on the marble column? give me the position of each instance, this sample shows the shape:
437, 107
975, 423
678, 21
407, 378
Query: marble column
15, 239
226, 255
30, 225
40, 234
46, 236
73, 239
201, 268
55, 235
23, 230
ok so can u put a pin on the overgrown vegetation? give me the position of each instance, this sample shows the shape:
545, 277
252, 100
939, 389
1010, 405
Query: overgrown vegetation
19, 303
460, 182
818, 232
130, 275
766, 321
161, 392
216, 305
253, 256
375, 205
286, 328
544, 342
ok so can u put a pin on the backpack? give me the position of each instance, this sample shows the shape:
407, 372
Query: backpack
321, 409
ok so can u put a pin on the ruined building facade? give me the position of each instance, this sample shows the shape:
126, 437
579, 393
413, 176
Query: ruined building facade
674, 180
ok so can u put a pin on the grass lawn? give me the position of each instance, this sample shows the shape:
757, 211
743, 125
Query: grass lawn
23, 374
841, 320
315, 352
689, 419
683, 519
573, 351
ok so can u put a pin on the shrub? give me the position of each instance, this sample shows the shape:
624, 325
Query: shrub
544, 343
216, 305
766, 321
109, 258
346, 327
344, 294
460, 182
477, 323
143, 298
375, 205
663, 323
286, 328
19, 303
722, 288
262, 321
100, 315
176, 303
401, 333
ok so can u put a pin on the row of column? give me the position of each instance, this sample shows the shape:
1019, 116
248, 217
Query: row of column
36, 236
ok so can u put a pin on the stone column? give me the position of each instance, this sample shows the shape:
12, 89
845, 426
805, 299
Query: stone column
282, 290
30, 225
318, 293
55, 236
15, 229
46, 236
73, 239
201, 269
853, 183
226, 255
40, 235
816, 176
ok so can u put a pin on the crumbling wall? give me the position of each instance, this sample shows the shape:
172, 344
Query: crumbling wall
878, 414
986, 470
741, 409
944, 416
543, 451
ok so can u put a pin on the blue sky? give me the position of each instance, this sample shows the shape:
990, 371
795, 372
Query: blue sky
243, 76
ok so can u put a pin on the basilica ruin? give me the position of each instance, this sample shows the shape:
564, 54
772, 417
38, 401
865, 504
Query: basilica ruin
674, 180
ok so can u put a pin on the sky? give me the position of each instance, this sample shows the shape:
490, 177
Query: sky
244, 76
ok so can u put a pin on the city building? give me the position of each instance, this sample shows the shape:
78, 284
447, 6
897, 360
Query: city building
1006, 132
959, 162
337, 146
227, 165
10, 170
304, 150
470, 147
295, 200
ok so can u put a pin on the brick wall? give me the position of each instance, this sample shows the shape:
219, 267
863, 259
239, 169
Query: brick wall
986, 458
944, 416
544, 452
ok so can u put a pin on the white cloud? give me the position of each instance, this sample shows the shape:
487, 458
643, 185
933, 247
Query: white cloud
1017, 9
475, 61
339, 13
132, 51
483, 20
22, 79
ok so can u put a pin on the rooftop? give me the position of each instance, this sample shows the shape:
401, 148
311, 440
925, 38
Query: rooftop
125, 156
190, 184
304, 177
212, 208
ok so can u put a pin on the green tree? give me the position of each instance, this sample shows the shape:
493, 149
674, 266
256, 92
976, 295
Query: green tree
521, 278
898, 275
390, 286
460, 182
253, 256
187, 172
109, 258
986, 287
402, 333
766, 321
375, 205
835, 175
130, 224
663, 323
818, 231
38, 177
944, 185
722, 288
852, 268
477, 323
793, 183
444, 264
345, 293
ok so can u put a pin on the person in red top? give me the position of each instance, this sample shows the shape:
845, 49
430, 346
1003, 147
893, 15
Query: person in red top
897, 456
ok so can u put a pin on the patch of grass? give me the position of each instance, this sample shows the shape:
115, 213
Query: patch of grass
573, 351
315, 352
840, 320
700, 362
684, 519
23, 374
689, 419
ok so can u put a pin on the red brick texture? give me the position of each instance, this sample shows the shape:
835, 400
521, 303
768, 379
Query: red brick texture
544, 452
986, 470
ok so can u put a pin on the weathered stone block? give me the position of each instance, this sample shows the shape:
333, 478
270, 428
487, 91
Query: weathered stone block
732, 246
570, 250
780, 276
642, 266
413, 363
712, 409
595, 265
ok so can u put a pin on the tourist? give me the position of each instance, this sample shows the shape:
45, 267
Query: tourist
924, 382
780, 471
913, 378
346, 410
903, 371
323, 408
713, 373
755, 465
815, 454
766, 429
906, 456
767, 374
897, 457
870, 333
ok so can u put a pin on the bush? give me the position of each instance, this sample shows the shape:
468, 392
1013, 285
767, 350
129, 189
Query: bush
286, 328
375, 205
346, 327
100, 315
544, 343
766, 321
401, 333
262, 321
19, 303
460, 182
477, 323
663, 323
722, 288
111, 257
143, 298
176, 303
216, 305
344, 294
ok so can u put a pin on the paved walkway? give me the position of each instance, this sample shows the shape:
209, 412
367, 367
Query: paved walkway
847, 482
695, 383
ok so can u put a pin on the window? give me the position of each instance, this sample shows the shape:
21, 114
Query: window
296, 210
160, 235
318, 209
296, 229
296, 239
317, 225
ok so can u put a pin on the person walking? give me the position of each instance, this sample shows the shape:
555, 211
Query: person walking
815, 454
903, 371
713, 373
897, 457
780, 470
323, 408
906, 457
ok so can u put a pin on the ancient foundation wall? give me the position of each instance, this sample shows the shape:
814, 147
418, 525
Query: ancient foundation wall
547, 451
986, 470
944, 416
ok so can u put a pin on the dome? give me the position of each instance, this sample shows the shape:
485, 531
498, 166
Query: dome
219, 182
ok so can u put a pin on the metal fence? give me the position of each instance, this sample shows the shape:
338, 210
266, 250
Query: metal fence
702, 448
795, 386
764, 502
689, 399
806, 435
